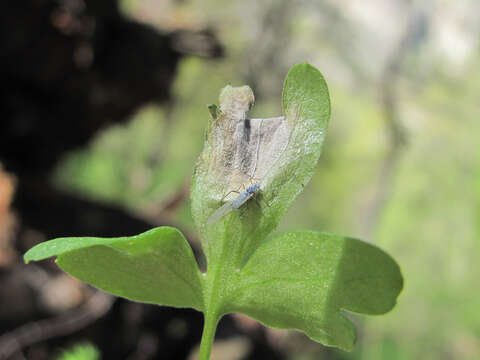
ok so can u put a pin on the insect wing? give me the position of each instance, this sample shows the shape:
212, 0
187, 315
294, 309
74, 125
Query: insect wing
220, 212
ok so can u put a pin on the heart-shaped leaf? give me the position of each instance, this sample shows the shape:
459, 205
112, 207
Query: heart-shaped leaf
155, 267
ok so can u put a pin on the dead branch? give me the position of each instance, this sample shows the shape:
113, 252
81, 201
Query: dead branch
94, 308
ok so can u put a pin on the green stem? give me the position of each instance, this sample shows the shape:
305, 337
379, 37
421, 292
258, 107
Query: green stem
214, 284
209, 328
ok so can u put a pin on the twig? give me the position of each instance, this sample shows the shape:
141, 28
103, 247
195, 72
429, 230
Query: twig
95, 307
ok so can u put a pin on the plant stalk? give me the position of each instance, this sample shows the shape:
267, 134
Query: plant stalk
208, 335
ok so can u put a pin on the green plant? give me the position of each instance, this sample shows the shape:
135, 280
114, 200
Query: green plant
300, 280
80, 352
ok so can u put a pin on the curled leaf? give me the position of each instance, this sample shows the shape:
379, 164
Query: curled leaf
276, 154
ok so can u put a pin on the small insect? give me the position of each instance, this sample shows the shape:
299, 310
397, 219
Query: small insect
233, 205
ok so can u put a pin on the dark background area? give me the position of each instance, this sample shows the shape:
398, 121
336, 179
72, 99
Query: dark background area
69, 69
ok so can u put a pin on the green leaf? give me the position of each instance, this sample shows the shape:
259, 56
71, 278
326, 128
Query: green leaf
279, 154
156, 266
303, 280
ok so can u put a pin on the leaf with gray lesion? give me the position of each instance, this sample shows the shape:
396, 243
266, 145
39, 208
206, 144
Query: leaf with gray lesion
277, 153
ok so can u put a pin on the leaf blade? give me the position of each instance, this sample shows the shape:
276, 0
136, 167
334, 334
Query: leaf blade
285, 157
156, 266
316, 276
306, 106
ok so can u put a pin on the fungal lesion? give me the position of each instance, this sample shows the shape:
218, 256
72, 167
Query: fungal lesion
241, 152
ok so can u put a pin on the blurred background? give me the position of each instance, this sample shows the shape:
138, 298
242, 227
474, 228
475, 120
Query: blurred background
103, 111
